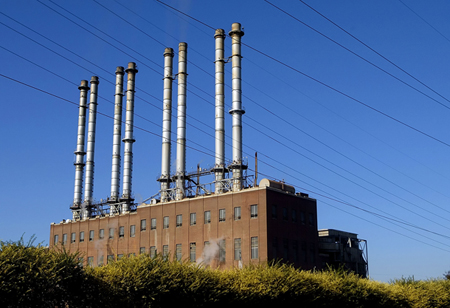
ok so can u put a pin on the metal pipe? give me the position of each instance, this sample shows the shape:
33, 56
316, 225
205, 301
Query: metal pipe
129, 138
167, 123
236, 111
117, 135
89, 179
219, 167
79, 153
181, 122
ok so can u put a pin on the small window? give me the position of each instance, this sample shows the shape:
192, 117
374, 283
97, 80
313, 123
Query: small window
285, 249
81, 236
111, 232
80, 262
207, 217
166, 222
302, 218
237, 249
73, 237
193, 219
295, 251
222, 250
237, 213
101, 233
153, 224
285, 213
178, 252
55, 239
221, 215
294, 215
142, 250
165, 250
254, 247
91, 235
110, 258
152, 251
90, 261
179, 220
100, 260
274, 211
311, 219
64, 238
143, 224
119, 256
121, 231
132, 231
192, 252
254, 211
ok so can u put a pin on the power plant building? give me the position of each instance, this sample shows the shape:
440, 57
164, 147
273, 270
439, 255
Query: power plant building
237, 223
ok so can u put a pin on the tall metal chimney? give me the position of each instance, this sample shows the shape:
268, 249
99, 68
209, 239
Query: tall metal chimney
167, 123
79, 153
89, 180
129, 138
219, 167
181, 122
117, 135
236, 111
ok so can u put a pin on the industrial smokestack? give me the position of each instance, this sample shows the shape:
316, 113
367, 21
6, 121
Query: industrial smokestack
129, 138
117, 135
236, 111
181, 122
89, 188
167, 123
219, 167
79, 153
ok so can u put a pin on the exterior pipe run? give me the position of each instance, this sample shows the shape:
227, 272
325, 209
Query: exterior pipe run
236, 111
167, 123
219, 167
89, 180
115, 174
79, 153
181, 122
129, 138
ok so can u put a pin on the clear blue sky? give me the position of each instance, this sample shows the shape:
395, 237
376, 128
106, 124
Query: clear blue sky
371, 148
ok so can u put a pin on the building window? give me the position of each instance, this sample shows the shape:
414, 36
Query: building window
90, 261
275, 248
237, 213
222, 250
178, 252
165, 250
312, 253
73, 237
166, 222
207, 217
302, 218
101, 233
179, 220
237, 249
80, 261
311, 219
64, 238
100, 260
285, 213
142, 250
91, 235
192, 252
132, 230
82, 236
221, 215
119, 256
143, 224
153, 224
254, 211
55, 239
304, 256
152, 251
110, 258
285, 249
294, 215
254, 247
295, 251
132, 254
193, 219
274, 211
121, 231
111, 232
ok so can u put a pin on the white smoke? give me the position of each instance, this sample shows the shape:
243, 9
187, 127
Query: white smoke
210, 252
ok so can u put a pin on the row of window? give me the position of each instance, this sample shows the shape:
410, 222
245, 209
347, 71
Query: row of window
192, 251
294, 218
290, 251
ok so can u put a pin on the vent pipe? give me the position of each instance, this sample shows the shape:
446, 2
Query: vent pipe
79, 153
167, 122
236, 111
117, 135
129, 138
181, 122
219, 168
89, 179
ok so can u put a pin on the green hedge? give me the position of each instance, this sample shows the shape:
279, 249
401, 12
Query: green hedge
37, 277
